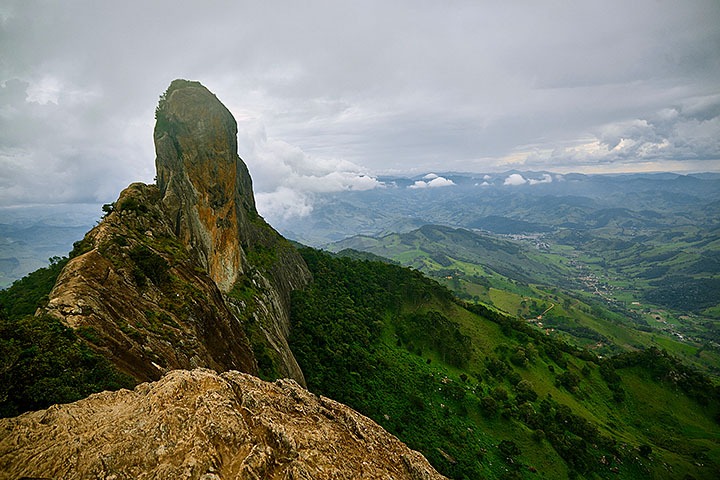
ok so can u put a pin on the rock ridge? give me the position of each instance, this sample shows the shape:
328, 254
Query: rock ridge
203, 425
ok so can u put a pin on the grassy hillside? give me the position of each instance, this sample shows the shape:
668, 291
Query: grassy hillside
643, 248
584, 299
484, 395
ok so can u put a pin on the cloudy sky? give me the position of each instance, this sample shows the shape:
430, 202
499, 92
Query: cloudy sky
330, 94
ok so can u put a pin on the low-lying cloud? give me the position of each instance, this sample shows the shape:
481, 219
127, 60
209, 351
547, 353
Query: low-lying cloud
286, 179
515, 179
546, 178
432, 180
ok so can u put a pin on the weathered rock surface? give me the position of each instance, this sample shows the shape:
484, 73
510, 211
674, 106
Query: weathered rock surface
203, 425
186, 274
138, 297
205, 187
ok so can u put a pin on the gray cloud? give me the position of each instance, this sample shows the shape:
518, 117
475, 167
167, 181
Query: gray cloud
328, 94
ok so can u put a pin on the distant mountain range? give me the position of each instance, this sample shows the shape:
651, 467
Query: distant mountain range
30, 235
512, 203
542, 203
643, 247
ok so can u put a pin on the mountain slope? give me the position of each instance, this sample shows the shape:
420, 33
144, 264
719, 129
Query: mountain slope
176, 275
612, 299
436, 246
483, 395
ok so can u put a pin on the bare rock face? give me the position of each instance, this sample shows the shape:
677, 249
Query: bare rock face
204, 185
186, 274
203, 425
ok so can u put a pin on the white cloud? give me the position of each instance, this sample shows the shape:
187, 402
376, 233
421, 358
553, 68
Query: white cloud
285, 178
440, 182
684, 137
515, 179
546, 178
436, 182
46, 90
430, 176
283, 203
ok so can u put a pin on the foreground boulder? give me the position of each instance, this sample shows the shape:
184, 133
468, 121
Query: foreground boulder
203, 425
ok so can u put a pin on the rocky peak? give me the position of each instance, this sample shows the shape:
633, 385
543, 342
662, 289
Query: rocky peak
204, 184
202, 425
185, 273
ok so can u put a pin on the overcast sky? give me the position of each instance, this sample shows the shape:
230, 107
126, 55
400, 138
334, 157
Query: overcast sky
329, 94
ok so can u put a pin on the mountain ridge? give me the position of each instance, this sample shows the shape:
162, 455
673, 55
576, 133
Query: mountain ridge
186, 274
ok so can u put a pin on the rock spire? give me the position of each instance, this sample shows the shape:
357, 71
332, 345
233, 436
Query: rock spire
204, 185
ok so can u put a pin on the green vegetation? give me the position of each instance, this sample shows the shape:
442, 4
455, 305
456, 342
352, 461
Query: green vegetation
149, 265
164, 123
262, 257
510, 401
579, 297
132, 204
433, 331
43, 362
244, 295
29, 293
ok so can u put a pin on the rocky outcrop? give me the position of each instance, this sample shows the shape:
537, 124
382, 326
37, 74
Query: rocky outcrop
137, 295
203, 425
205, 187
186, 273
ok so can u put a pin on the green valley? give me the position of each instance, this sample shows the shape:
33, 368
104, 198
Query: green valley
589, 300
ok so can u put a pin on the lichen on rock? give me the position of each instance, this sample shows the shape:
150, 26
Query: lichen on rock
199, 425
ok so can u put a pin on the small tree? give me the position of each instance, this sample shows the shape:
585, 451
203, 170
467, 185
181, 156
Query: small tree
489, 406
499, 393
108, 208
524, 392
568, 380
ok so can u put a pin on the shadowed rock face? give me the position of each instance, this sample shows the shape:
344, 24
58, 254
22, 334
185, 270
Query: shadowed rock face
178, 275
202, 425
